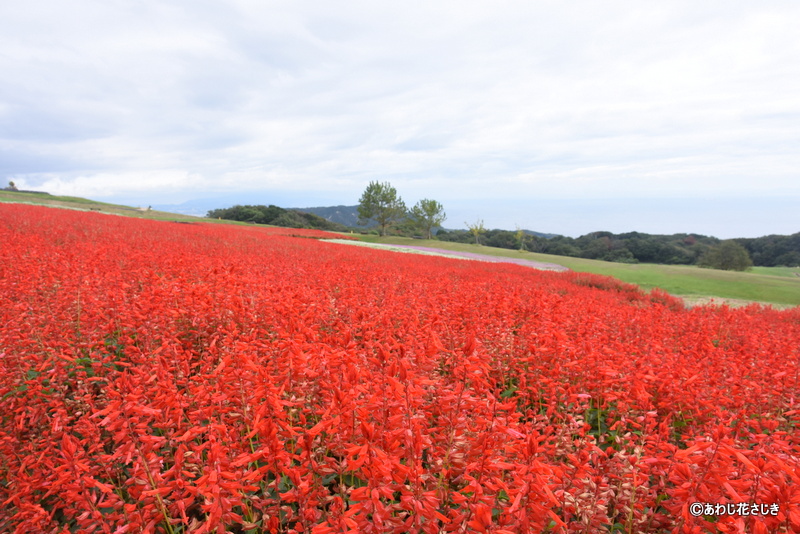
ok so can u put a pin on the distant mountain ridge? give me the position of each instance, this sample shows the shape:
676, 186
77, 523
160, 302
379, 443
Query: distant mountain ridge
346, 215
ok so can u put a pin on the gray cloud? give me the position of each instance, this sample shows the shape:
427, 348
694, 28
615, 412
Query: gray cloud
477, 105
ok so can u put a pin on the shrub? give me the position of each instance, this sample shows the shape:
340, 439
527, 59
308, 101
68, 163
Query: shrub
728, 256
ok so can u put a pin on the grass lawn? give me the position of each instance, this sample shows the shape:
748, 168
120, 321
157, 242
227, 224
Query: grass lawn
791, 272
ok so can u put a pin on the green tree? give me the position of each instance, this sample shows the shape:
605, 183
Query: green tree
476, 229
380, 203
520, 235
728, 256
428, 214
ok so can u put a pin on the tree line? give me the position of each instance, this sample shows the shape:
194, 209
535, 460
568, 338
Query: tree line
637, 247
276, 216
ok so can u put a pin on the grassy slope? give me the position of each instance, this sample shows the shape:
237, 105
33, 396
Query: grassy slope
790, 272
776, 285
771, 285
101, 207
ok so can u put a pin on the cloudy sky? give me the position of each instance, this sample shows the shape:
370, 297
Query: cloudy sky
564, 117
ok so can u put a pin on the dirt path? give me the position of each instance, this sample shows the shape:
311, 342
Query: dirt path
453, 254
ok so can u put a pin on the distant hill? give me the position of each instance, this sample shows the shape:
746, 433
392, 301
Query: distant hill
346, 215
541, 234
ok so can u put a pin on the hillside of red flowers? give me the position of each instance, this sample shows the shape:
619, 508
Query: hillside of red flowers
163, 377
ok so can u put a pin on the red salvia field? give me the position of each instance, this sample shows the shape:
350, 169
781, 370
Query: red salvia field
163, 377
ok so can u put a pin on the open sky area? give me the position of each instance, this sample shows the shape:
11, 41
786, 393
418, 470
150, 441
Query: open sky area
563, 117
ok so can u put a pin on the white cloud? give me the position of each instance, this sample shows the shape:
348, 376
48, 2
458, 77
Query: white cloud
131, 184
